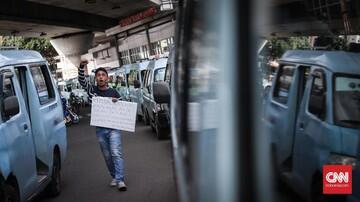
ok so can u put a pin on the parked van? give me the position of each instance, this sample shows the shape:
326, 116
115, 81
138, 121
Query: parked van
135, 79
313, 116
161, 95
32, 129
122, 84
155, 114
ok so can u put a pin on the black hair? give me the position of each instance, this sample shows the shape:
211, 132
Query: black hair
101, 69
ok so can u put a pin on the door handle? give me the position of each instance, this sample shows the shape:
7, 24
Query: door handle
25, 127
301, 126
272, 120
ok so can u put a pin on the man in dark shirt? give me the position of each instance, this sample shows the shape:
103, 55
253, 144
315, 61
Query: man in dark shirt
109, 139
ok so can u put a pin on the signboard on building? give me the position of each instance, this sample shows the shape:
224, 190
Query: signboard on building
137, 17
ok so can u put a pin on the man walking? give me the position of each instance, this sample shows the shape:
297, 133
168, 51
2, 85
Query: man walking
109, 139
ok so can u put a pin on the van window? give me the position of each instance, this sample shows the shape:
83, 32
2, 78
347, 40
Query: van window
147, 81
283, 84
6, 90
43, 84
132, 76
143, 72
317, 98
347, 101
159, 74
168, 73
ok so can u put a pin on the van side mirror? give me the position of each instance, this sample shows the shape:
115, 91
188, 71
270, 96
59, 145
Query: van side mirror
137, 84
161, 92
11, 106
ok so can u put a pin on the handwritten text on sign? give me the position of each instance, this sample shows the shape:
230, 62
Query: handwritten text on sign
119, 115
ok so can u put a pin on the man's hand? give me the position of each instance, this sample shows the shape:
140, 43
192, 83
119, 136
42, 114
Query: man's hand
84, 63
114, 100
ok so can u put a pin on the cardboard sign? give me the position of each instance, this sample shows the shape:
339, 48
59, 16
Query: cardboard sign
120, 115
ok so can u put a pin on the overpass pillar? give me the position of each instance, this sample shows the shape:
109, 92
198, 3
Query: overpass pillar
71, 47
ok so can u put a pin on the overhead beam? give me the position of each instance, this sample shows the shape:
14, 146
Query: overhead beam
24, 11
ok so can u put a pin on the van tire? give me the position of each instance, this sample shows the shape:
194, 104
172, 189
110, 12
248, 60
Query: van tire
146, 118
54, 187
161, 134
278, 184
10, 194
318, 196
139, 117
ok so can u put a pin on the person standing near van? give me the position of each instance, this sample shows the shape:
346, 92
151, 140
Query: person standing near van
109, 139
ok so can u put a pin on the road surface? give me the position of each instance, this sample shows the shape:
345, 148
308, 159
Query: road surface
148, 168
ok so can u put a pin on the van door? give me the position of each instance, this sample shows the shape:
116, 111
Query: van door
310, 126
16, 131
42, 102
283, 108
146, 94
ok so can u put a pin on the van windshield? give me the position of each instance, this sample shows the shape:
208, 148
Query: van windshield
347, 101
159, 74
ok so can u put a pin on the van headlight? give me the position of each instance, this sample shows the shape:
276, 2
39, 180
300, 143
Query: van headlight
342, 160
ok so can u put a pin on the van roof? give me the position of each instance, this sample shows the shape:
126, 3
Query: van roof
159, 63
144, 65
15, 57
335, 61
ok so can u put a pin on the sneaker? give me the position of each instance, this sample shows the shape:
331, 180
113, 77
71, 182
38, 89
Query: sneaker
113, 183
121, 186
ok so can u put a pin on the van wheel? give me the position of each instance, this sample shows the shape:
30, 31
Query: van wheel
146, 118
318, 196
160, 134
153, 127
278, 184
10, 194
139, 118
54, 188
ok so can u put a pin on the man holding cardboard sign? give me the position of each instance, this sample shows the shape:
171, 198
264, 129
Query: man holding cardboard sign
109, 138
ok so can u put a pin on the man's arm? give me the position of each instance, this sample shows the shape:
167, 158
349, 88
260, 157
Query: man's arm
83, 82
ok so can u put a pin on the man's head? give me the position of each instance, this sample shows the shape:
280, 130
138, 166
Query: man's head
101, 77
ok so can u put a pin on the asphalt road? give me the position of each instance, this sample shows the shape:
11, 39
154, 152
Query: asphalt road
148, 168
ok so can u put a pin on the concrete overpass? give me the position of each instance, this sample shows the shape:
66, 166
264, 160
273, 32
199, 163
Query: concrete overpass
54, 18
72, 24
310, 17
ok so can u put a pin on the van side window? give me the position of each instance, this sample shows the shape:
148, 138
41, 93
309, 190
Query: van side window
283, 84
148, 82
6, 90
132, 76
143, 72
168, 73
317, 97
43, 83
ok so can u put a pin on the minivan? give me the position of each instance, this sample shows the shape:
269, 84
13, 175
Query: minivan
33, 134
155, 114
313, 117
135, 78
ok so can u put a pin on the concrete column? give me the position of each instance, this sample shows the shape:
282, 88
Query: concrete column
73, 46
